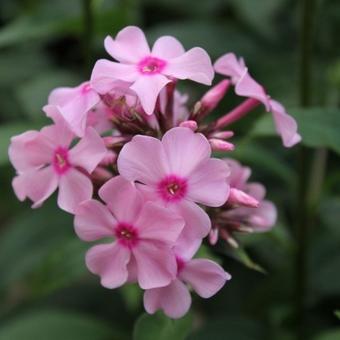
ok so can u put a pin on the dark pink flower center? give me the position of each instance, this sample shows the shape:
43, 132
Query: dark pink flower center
126, 234
172, 188
151, 65
60, 160
180, 264
86, 88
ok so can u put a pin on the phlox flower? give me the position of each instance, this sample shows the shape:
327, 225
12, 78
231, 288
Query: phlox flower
177, 172
45, 161
143, 232
204, 276
148, 71
246, 86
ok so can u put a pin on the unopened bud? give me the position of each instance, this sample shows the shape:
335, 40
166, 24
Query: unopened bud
212, 98
213, 236
239, 197
191, 124
223, 134
221, 145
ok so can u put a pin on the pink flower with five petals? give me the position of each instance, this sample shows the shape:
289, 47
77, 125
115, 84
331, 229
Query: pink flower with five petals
143, 233
147, 70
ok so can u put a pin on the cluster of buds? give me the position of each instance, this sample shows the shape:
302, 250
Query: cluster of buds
134, 164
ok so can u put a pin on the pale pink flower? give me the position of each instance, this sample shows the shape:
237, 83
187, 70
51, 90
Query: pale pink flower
260, 218
143, 233
44, 161
178, 171
147, 70
204, 276
74, 104
246, 86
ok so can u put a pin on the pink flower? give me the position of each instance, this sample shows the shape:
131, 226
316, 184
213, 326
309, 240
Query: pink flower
246, 86
204, 276
178, 171
44, 161
149, 71
74, 104
143, 233
260, 218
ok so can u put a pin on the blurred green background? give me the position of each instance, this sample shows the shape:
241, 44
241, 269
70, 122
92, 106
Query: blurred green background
286, 284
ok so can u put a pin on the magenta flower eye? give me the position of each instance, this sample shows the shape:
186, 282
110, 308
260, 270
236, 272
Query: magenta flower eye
172, 188
151, 65
60, 160
126, 234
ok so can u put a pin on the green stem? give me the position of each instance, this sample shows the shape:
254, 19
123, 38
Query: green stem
303, 213
88, 30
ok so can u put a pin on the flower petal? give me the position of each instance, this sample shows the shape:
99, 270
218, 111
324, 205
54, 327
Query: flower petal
148, 88
285, 124
122, 198
229, 66
89, 152
185, 150
167, 47
174, 299
156, 264
205, 276
158, 223
109, 261
106, 74
194, 64
74, 188
30, 150
93, 221
143, 159
130, 45
208, 183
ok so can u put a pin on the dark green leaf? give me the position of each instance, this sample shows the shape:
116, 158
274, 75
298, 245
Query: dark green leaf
160, 327
329, 335
319, 127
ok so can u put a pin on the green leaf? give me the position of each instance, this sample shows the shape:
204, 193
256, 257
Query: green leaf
56, 325
160, 327
333, 334
319, 127
6, 132
337, 314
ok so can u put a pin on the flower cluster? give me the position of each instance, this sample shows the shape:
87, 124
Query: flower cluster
133, 164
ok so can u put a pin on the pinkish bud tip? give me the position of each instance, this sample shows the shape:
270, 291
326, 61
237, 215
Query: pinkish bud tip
239, 197
191, 124
212, 98
221, 145
223, 134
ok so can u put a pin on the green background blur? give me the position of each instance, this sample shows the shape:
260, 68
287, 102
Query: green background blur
46, 291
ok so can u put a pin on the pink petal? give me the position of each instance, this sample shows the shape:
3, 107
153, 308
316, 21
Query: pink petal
238, 174
248, 87
74, 188
158, 223
40, 184
129, 46
285, 125
264, 218
122, 198
63, 95
256, 190
93, 221
208, 183
143, 159
109, 261
205, 277
197, 225
167, 47
59, 134
194, 64
148, 88
105, 75
174, 299
30, 150
89, 152
185, 150
229, 66
75, 112
19, 186
156, 264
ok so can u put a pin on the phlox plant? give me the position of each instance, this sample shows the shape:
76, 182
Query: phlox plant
134, 164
